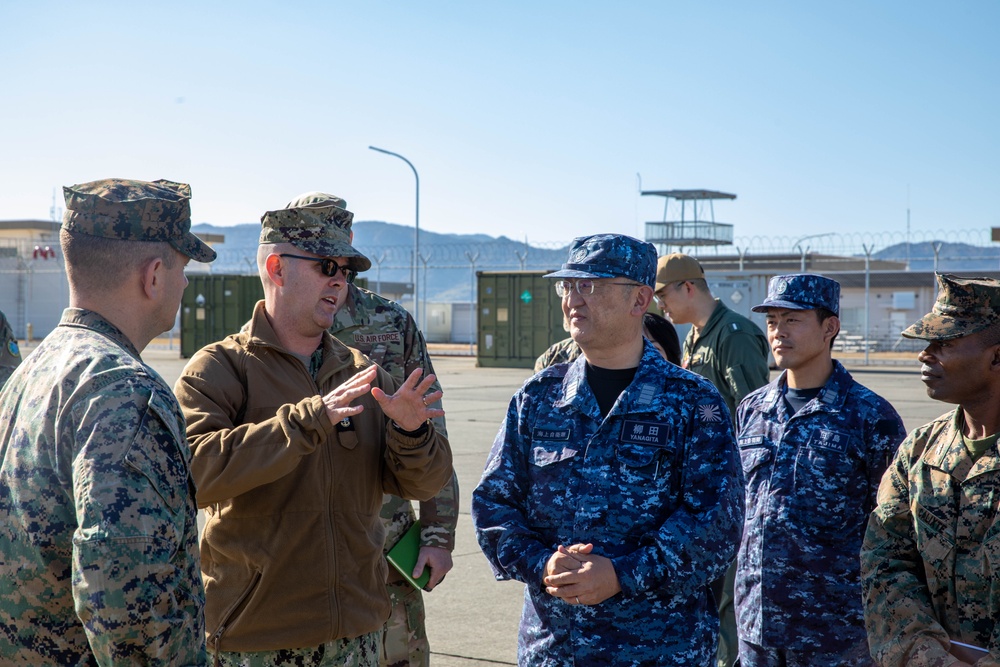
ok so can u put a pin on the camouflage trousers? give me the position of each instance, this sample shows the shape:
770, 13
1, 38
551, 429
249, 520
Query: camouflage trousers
729, 647
357, 652
752, 655
404, 643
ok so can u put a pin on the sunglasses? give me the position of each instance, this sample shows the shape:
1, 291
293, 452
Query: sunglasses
327, 266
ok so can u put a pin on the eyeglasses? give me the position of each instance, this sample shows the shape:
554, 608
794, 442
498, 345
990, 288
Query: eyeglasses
583, 287
658, 295
327, 266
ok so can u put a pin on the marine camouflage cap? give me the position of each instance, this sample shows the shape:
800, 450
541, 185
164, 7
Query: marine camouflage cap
801, 291
322, 227
149, 211
317, 199
610, 256
964, 306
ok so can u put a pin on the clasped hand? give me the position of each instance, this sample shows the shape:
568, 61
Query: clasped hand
407, 407
578, 576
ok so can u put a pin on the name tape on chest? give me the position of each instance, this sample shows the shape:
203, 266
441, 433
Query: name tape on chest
552, 434
375, 338
833, 440
651, 434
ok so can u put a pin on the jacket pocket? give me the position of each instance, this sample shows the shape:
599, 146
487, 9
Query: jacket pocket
756, 459
233, 613
935, 544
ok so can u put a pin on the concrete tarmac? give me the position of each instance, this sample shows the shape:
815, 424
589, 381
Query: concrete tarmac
472, 619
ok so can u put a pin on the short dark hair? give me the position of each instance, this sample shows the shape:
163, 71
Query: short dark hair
98, 264
663, 332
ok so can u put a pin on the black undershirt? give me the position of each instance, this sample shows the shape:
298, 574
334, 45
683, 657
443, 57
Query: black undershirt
797, 398
608, 384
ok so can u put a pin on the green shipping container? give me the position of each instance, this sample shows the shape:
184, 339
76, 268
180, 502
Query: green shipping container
519, 317
215, 306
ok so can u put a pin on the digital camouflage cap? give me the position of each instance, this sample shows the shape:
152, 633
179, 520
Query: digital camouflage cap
129, 210
801, 291
964, 306
317, 223
610, 256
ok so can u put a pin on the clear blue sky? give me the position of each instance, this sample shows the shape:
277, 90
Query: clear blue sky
524, 119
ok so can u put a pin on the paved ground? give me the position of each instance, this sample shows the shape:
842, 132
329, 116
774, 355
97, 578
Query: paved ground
472, 619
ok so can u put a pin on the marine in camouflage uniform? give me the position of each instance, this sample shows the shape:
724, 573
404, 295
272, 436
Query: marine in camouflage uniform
386, 332
653, 483
98, 527
813, 452
10, 355
930, 563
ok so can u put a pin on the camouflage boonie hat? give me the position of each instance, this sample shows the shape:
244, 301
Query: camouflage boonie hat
610, 256
964, 306
801, 291
322, 227
149, 211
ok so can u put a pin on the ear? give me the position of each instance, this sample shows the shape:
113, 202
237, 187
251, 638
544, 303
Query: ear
831, 327
643, 297
152, 277
275, 269
995, 360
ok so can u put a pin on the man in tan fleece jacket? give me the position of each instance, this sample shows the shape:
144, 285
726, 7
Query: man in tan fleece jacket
295, 439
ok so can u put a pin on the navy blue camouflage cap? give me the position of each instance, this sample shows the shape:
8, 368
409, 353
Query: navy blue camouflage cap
963, 306
610, 256
130, 210
801, 291
317, 223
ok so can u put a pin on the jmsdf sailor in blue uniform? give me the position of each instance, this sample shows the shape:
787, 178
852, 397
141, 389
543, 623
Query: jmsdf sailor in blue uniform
613, 489
814, 445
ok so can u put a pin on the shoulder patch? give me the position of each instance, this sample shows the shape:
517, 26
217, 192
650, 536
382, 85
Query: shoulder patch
710, 412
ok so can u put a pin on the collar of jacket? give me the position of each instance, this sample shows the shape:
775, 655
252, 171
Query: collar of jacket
259, 333
831, 397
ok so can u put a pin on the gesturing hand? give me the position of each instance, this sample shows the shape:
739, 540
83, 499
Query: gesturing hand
408, 406
338, 402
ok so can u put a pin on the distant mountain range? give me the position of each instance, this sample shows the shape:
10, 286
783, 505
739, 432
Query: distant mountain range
449, 258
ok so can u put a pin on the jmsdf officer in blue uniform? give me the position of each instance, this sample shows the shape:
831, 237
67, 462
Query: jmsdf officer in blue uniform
613, 489
814, 445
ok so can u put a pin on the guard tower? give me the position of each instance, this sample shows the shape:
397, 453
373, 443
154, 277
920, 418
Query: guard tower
693, 229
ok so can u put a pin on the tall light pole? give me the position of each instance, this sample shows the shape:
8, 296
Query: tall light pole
416, 236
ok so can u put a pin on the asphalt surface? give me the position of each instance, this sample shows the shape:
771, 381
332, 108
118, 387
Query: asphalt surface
472, 619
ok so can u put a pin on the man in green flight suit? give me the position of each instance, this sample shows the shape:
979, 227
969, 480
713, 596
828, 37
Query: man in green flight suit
388, 335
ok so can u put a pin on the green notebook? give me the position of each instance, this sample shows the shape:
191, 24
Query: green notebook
403, 556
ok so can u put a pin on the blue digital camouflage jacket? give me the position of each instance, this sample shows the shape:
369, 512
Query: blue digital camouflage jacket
811, 480
655, 486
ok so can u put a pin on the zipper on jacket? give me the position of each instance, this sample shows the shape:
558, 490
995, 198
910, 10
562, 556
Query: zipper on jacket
216, 638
